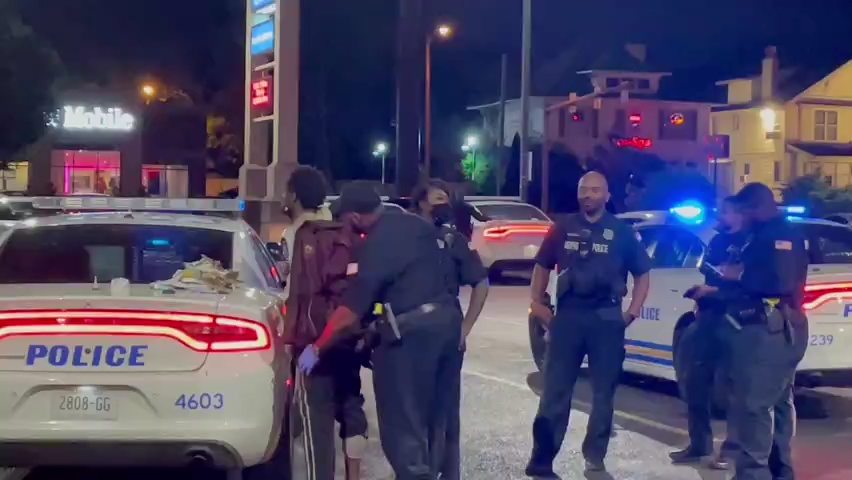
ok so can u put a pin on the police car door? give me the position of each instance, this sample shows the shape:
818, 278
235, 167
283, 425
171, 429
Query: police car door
675, 255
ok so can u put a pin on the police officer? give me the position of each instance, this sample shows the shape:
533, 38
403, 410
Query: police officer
773, 339
593, 251
432, 202
401, 265
708, 341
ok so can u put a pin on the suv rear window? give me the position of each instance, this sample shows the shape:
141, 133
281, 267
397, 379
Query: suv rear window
518, 211
81, 253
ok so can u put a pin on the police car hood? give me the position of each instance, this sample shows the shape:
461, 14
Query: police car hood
43, 327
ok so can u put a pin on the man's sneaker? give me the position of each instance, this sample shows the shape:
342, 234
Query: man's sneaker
540, 471
721, 463
686, 456
595, 465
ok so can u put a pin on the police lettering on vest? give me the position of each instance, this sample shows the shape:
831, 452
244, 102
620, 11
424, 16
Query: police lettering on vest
81, 356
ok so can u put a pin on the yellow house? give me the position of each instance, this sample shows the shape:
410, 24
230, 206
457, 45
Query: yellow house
785, 123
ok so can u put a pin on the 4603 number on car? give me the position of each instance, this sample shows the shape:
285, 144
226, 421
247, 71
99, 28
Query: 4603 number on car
203, 401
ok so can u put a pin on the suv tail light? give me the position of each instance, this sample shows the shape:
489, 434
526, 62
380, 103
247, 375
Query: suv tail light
821, 293
503, 231
202, 333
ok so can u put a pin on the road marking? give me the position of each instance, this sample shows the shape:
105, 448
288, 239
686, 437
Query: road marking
618, 413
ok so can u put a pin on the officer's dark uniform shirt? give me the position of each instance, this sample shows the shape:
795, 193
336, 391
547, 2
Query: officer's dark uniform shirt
466, 268
775, 262
614, 246
724, 249
399, 262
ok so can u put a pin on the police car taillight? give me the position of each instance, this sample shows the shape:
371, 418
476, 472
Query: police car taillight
202, 333
819, 294
503, 231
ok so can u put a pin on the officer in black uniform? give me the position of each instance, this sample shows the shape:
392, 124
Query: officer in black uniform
593, 252
402, 266
708, 342
772, 342
432, 202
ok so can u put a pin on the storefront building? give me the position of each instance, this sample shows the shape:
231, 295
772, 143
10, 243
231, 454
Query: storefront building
103, 145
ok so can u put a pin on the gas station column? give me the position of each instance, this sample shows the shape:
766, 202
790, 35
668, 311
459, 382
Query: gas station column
271, 107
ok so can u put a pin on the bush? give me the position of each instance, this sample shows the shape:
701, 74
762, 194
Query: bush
820, 198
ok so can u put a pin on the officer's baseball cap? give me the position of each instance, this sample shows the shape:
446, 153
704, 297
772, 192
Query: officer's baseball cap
358, 197
754, 195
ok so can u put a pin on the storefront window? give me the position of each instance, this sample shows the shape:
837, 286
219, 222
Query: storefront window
167, 181
86, 172
14, 179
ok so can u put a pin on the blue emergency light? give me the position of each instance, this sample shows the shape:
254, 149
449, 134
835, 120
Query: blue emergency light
795, 210
689, 212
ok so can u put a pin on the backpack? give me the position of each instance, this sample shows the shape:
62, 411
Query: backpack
322, 265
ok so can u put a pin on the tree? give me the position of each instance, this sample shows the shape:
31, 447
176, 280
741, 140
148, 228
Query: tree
478, 168
817, 195
28, 72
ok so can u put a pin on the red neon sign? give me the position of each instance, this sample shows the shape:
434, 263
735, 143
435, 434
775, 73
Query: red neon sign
261, 93
635, 119
634, 142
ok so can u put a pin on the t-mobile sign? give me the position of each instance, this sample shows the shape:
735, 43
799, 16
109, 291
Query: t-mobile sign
97, 118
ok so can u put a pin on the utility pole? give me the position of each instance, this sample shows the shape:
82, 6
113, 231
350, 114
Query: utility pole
409, 95
526, 54
501, 134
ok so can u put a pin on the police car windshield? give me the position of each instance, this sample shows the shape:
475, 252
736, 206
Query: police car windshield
517, 211
81, 253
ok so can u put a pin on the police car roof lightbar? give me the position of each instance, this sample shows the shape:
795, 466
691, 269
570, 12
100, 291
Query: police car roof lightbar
129, 204
795, 209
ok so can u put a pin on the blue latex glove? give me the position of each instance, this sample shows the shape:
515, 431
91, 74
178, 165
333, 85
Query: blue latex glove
307, 360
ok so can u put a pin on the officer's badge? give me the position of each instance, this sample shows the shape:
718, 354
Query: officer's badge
309, 250
607, 234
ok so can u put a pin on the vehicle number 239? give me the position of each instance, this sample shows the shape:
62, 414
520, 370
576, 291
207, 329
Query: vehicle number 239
821, 340
203, 401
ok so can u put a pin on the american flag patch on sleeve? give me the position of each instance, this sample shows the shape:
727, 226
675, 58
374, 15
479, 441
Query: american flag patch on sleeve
783, 245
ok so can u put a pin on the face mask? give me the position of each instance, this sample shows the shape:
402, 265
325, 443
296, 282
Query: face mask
442, 214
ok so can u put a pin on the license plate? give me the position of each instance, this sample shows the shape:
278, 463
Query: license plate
83, 406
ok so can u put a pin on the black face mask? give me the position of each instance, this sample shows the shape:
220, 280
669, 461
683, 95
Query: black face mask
442, 214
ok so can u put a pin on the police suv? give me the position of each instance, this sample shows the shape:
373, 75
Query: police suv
677, 241
94, 375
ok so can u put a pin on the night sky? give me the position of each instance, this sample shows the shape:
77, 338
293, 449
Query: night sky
348, 48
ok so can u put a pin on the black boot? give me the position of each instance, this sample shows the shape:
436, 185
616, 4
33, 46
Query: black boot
686, 456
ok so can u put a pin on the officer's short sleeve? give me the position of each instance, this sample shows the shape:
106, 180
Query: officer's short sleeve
471, 269
548, 253
636, 258
379, 261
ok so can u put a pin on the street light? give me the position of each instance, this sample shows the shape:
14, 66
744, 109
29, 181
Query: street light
441, 32
471, 142
148, 91
381, 151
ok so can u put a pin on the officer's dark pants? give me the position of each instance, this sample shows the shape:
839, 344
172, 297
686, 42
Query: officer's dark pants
333, 392
763, 411
710, 339
450, 465
412, 380
575, 333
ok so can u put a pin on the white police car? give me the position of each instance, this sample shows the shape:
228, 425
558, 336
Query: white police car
677, 242
94, 377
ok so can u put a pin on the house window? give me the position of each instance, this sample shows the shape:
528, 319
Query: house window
612, 82
746, 169
825, 125
776, 168
594, 119
736, 122
644, 84
619, 126
561, 122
